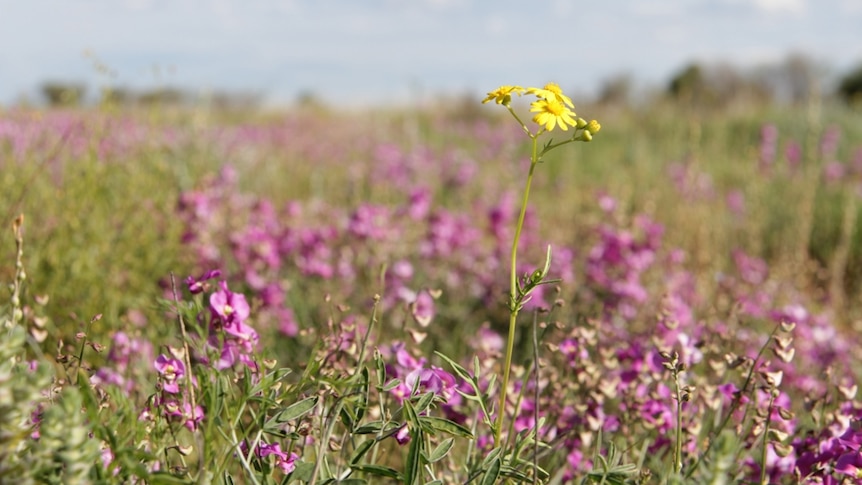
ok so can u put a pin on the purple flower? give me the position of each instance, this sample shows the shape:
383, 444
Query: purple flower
423, 308
286, 462
402, 436
850, 464
229, 307
834, 171
197, 285
768, 143
793, 154
735, 201
171, 370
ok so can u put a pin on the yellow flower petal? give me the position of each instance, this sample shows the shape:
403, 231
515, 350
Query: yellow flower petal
503, 94
552, 112
551, 92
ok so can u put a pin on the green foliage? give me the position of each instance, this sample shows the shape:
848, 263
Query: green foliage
106, 235
850, 88
59, 94
688, 84
44, 436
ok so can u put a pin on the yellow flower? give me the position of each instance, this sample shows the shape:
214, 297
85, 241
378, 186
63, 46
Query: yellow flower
503, 94
552, 91
551, 112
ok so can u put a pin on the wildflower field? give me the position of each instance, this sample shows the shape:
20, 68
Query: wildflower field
507, 292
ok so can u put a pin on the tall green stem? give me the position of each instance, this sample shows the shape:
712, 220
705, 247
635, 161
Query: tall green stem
514, 298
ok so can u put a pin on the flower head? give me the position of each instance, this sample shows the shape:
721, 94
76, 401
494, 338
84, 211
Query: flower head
197, 285
503, 94
552, 92
228, 306
171, 370
552, 112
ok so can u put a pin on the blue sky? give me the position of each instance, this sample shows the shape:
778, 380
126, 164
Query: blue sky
363, 52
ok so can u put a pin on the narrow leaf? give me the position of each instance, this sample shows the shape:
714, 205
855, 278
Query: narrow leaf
492, 473
462, 372
424, 401
492, 455
441, 450
378, 470
363, 395
361, 450
413, 465
446, 426
296, 410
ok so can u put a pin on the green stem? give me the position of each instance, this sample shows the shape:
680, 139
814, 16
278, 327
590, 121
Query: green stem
677, 450
764, 480
514, 300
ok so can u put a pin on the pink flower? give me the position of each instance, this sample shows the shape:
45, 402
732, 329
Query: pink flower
283, 460
228, 306
423, 308
171, 371
197, 285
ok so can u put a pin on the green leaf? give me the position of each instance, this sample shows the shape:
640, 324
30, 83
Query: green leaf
361, 450
391, 385
373, 427
269, 380
159, 478
441, 450
492, 473
348, 417
302, 472
462, 372
471, 397
424, 402
445, 426
380, 366
414, 455
518, 475
296, 410
351, 481
378, 470
363, 395
410, 415
492, 455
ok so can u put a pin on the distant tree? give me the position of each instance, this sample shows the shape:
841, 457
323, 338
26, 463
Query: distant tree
616, 90
235, 101
307, 98
719, 86
63, 94
689, 84
116, 95
793, 80
164, 96
850, 88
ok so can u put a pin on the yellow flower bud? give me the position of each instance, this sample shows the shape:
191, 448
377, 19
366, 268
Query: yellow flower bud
593, 127
581, 123
586, 136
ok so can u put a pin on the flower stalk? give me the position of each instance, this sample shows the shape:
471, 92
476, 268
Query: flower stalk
552, 109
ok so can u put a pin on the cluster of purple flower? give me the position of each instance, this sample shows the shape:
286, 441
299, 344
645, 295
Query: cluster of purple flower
639, 298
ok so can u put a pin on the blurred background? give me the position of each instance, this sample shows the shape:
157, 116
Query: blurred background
399, 52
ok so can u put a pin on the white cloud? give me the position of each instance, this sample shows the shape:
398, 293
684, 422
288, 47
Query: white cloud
850, 6
781, 6
496, 25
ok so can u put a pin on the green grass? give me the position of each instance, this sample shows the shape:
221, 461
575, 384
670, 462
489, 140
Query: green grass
103, 233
